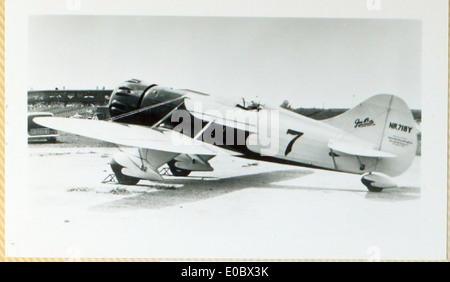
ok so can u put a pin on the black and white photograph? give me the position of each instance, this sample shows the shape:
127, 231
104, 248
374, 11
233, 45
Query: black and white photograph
286, 131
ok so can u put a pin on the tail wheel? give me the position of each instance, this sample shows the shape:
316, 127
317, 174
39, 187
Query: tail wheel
369, 185
177, 171
122, 178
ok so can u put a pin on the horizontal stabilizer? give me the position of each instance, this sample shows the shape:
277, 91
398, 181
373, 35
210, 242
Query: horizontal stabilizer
133, 135
357, 150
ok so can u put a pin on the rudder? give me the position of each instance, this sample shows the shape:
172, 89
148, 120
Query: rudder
386, 122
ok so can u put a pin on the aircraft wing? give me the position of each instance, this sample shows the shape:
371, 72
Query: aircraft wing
133, 135
358, 150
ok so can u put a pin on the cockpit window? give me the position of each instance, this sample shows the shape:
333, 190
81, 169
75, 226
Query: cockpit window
249, 106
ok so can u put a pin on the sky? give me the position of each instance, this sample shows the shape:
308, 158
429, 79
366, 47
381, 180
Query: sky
309, 62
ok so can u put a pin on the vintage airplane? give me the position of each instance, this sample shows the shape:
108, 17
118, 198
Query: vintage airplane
376, 139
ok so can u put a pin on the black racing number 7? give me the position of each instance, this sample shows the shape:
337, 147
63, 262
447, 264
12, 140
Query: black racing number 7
297, 134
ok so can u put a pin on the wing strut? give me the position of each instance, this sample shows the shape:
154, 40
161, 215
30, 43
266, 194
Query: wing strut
145, 109
203, 130
166, 116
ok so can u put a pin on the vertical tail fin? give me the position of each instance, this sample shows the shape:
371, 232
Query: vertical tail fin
386, 122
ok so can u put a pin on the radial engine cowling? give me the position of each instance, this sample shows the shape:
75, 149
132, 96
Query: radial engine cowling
127, 97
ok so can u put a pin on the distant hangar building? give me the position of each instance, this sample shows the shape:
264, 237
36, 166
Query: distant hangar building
95, 97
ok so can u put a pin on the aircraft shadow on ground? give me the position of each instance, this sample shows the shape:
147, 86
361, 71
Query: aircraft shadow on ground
196, 189
401, 193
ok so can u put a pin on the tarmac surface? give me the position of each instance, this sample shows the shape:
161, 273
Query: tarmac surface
244, 209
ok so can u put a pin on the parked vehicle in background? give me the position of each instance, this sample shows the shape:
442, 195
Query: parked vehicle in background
76, 115
37, 132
